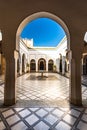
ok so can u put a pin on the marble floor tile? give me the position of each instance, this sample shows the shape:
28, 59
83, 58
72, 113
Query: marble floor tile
74, 112
19, 126
41, 126
69, 119
82, 126
84, 117
58, 112
24, 113
51, 119
63, 126
32, 119
45, 114
2, 126
13, 119
33, 109
8, 113
41, 113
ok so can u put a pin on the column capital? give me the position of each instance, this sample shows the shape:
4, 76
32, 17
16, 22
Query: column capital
16, 54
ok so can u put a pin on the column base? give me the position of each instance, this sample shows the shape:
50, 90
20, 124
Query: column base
76, 102
9, 102
63, 74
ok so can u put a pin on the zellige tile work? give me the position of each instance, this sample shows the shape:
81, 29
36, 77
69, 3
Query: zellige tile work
41, 113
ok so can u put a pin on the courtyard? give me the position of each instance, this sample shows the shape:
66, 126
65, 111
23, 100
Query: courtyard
42, 104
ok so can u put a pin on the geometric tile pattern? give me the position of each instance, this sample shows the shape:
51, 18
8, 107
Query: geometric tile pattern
84, 80
46, 117
43, 90
49, 121
41, 126
82, 125
63, 126
49, 90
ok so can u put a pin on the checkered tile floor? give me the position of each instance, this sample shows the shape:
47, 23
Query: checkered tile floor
43, 118
48, 91
84, 80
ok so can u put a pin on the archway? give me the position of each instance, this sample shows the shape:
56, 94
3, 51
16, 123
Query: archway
23, 63
50, 65
42, 15
41, 64
32, 65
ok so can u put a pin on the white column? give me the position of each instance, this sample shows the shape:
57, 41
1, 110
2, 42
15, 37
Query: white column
26, 63
25, 67
29, 62
36, 65
54, 61
58, 65
67, 66
46, 65
63, 65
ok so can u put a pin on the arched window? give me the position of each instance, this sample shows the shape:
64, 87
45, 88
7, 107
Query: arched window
50, 65
42, 64
32, 65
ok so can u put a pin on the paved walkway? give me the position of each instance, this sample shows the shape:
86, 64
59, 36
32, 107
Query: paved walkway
84, 80
39, 114
47, 91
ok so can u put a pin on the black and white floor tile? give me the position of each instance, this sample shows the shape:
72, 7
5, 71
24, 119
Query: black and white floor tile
46, 115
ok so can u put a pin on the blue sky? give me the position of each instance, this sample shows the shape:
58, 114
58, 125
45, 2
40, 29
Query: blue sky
44, 31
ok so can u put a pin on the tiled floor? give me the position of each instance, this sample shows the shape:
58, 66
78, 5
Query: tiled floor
37, 110
44, 92
42, 118
84, 80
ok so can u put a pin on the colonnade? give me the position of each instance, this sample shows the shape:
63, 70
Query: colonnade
60, 65
32, 65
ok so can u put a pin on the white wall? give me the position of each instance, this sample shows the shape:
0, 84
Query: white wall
46, 53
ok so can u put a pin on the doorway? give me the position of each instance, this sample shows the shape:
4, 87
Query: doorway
41, 64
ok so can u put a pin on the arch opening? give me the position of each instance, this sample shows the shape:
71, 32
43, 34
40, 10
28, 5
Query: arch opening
41, 64
44, 61
50, 65
32, 65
